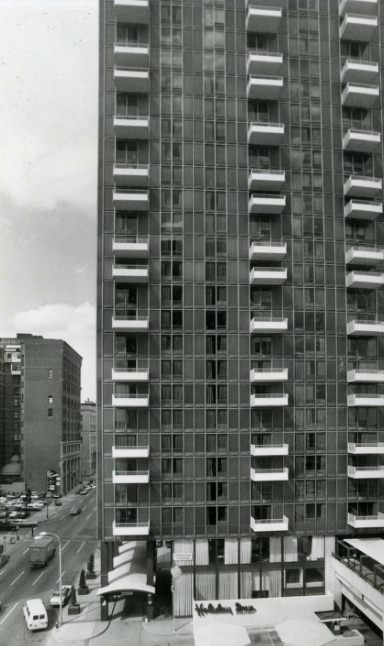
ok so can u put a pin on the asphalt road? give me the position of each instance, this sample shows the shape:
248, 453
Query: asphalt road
18, 581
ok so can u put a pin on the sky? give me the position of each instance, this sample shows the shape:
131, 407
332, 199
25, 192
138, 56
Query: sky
48, 173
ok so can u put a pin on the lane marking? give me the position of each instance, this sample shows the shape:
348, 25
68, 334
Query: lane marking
25, 551
18, 577
64, 546
8, 613
62, 574
89, 515
2, 571
39, 577
81, 546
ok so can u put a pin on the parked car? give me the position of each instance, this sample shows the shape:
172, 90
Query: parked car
4, 558
84, 492
58, 503
54, 600
75, 511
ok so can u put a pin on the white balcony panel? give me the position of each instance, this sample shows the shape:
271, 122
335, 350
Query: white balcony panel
134, 201
364, 256
270, 325
269, 524
130, 401
131, 81
366, 522
268, 276
269, 450
269, 64
266, 180
267, 204
128, 56
270, 475
367, 448
267, 251
265, 89
358, 6
269, 401
362, 473
365, 400
131, 128
359, 72
365, 376
130, 529
361, 280
128, 249
268, 375
358, 27
360, 96
135, 11
365, 141
131, 177
262, 134
356, 186
365, 328
132, 274
133, 477
130, 451
362, 210
264, 19
130, 375
130, 325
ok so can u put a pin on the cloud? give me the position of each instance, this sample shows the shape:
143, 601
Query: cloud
75, 324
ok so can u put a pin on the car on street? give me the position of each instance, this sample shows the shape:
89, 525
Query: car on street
58, 503
56, 495
54, 600
4, 558
13, 514
84, 492
75, 511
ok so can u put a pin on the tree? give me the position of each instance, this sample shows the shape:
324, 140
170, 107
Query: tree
91, 567
83, 588
74, 607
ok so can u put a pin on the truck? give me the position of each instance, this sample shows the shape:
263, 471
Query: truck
41, 551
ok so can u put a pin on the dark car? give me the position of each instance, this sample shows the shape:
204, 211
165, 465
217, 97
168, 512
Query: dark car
58, 503
75, 511
4, 558
8, 526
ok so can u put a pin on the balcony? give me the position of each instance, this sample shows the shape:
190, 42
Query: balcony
265, 88
365, 141
131, 176
269, 524
362, 280
272, 325
130, 529
129, 248
359, 96
365, 400
132, 400
269, 400
268, 375
269, 450
130, 273
130, 200
358, 27
264, 63
357, 327
358, 6
267, 204
267, 251
129, 375
136, 11
365, 375
268, 275
366, 522
366, 448
266, 180
364, 256
359, 186
270, 475
131, 56
131, 127
130, 451
130, 477
130, 322
266, 134
264, 19
362, 209
357, 71
363, 473
131, 81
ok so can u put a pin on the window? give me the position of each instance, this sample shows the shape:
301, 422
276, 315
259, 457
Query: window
50, 373
50, 412
50, 399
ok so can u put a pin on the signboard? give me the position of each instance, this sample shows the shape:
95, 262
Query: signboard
182, 556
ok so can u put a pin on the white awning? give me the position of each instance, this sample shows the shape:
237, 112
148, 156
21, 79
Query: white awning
130, 582
129, 571
373, 547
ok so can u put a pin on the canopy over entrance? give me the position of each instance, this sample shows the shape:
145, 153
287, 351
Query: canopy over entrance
129, 572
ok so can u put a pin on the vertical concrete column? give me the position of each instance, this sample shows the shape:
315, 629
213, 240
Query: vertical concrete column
151, 559
106, 564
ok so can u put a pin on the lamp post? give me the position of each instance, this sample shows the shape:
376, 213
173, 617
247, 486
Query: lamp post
60, 575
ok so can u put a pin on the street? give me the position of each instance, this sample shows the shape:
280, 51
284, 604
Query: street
18, 581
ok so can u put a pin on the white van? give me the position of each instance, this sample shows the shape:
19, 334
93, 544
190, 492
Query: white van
35, 614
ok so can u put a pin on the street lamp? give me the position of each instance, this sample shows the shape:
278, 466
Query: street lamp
60, 575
